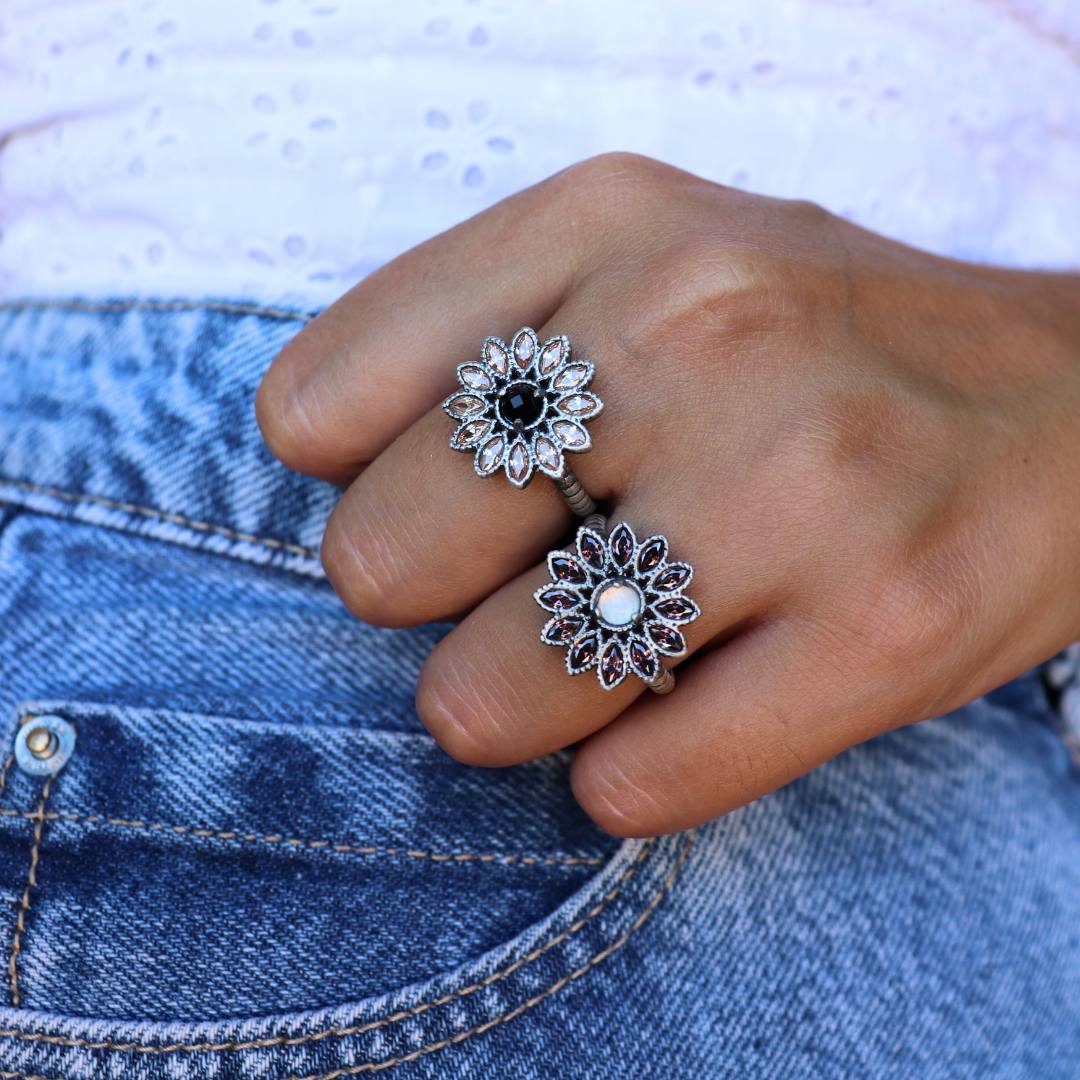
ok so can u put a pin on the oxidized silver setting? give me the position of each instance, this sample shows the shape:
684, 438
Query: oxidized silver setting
592, 598
522, 408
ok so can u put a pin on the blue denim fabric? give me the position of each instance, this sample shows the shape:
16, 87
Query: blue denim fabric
257, 865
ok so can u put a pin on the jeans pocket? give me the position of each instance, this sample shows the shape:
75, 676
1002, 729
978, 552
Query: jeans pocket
313, 897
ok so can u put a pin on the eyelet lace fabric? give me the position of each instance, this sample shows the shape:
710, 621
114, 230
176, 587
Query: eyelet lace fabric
280, 151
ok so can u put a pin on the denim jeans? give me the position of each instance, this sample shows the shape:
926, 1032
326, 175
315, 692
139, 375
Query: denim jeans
256, 864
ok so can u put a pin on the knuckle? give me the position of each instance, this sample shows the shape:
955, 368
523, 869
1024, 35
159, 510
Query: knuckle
611, 190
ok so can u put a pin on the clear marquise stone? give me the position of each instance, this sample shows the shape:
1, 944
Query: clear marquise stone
578, 404
476, 378
466, 405
519, 461
491, 454
569, 433
550, 357
618, 603
496, 357
472, 432
547, 453
574, 375
524, 348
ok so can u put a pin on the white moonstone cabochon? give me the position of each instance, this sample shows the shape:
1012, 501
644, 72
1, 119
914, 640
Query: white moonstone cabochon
618, 603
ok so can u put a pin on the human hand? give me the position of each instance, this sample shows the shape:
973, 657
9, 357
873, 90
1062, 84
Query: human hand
870, 455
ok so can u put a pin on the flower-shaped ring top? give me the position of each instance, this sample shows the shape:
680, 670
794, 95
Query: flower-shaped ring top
618, 606
523, 407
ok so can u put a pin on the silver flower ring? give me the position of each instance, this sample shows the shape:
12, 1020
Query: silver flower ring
522, 408
618, 605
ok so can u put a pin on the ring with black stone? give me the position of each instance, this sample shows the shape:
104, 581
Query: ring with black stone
522, 408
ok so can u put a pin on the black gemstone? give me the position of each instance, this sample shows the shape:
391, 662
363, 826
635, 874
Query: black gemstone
522, 404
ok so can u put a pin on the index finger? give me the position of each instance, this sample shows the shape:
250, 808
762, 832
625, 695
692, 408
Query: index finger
384, 354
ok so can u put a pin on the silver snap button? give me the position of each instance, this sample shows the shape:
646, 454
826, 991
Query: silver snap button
44, 745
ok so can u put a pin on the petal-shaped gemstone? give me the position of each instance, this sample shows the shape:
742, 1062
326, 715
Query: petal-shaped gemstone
643, 659
524, 347
582, 654
652, 554
612, 666
622, 544
475, 377
591, 548
668, 640
572, 435
579, 405
562, 628
572, 376
549, 455
462, 405
489, 456
518, 465
552, 354
469, 434
557, 599
495, 353
677, 608
566, 568
675, 576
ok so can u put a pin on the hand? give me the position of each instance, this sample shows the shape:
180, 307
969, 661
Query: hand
871, 456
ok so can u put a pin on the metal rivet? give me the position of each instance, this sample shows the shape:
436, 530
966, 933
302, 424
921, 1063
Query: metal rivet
44, 745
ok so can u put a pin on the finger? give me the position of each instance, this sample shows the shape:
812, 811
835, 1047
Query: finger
380, 357
743, 721
418, 537
492, 693
384, 354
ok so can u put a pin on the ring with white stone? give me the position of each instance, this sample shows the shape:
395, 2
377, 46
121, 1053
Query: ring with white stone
618, 605
522, 408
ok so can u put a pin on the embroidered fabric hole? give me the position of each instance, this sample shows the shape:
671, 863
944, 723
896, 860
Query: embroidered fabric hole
256, 1044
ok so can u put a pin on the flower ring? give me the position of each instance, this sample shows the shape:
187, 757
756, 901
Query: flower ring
522, 408
618, 605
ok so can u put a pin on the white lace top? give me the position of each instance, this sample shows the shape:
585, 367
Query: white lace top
277, 150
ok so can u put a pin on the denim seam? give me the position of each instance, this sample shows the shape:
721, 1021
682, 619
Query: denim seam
188, 831
318, 1036
502, 1018
159, 515
24, 903
112, 306
4, 772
